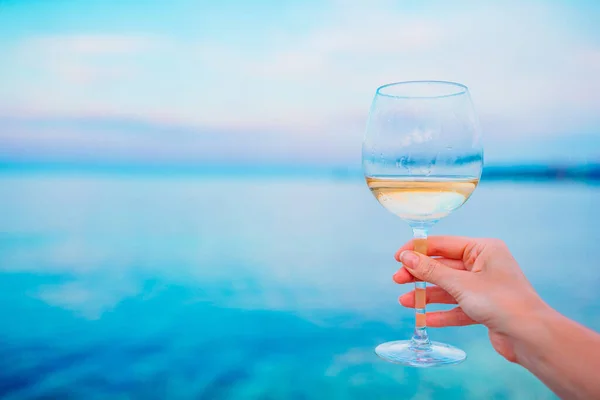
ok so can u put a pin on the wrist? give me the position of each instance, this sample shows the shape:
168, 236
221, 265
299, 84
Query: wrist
532, 333
560, 352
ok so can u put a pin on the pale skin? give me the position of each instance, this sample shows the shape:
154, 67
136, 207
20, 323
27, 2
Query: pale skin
485, 281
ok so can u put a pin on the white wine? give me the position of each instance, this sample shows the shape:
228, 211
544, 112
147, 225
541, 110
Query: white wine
422, 198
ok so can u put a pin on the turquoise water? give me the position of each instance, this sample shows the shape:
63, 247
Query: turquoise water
190, 287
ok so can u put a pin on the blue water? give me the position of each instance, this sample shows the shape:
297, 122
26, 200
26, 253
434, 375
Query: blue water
190, 287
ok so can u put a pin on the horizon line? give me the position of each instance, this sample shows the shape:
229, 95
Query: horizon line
522, 171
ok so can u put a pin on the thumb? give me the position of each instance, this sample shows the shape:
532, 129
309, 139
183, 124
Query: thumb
429, 270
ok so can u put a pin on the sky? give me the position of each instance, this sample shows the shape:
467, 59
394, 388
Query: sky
287, 82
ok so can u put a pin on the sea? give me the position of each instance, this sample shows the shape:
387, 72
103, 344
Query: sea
195, 286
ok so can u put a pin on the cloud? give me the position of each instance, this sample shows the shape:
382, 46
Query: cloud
87, 59
109, 140
524, 62
82, 44
531, 69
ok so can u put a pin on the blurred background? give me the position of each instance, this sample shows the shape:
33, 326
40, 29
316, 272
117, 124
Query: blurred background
183, 214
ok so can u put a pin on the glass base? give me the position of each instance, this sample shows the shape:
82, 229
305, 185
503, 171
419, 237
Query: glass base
405, 352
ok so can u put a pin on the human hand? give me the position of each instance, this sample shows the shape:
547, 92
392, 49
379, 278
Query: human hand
482, 277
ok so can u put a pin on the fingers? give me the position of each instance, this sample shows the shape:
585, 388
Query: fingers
446, 246
448, 262
430, 270
434, 295
403, 276
454, 317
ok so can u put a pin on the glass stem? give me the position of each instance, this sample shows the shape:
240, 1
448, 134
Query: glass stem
420, 338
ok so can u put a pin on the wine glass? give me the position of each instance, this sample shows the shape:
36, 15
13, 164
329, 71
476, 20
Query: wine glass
422, 159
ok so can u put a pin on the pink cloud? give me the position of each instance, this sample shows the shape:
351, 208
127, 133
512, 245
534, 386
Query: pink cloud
87, 59
92, 44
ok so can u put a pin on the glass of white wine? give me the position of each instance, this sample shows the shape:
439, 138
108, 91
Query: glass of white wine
422, 159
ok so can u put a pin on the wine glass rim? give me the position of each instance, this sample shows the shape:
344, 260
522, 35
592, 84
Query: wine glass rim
460, 89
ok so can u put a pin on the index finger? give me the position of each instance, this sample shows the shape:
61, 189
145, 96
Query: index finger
452, 247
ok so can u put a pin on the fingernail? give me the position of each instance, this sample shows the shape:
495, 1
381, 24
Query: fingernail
409, 259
